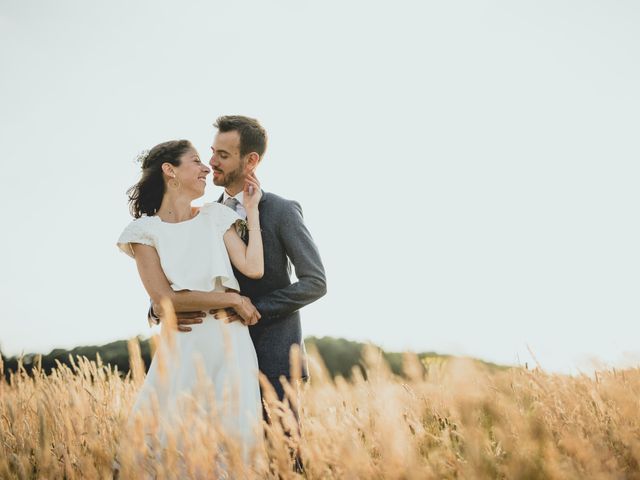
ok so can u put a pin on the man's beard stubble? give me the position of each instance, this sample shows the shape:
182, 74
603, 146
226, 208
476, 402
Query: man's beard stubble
233, 176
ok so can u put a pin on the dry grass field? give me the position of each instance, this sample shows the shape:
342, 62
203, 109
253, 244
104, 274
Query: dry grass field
449, 420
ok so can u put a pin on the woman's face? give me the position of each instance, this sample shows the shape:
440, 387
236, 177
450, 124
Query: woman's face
191, 174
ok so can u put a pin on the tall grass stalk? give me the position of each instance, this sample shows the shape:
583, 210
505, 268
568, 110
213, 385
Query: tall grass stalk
442, 420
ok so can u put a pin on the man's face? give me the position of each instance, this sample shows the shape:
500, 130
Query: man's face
227, 165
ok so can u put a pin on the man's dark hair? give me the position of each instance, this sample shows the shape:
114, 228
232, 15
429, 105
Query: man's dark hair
253, 137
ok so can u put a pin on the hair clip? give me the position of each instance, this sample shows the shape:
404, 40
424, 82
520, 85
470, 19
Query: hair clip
142, 156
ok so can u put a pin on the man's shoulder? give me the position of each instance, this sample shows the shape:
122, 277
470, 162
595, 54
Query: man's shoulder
276, 202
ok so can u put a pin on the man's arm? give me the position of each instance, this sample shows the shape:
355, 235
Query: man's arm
304, 256
158, 288
152, 318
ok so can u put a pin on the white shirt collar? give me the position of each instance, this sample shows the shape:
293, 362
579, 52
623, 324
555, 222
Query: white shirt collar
239, 197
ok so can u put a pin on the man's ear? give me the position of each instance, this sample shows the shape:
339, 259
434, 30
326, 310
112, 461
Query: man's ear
253, 159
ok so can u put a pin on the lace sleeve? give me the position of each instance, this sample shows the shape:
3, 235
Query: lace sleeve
137, 231
223, 216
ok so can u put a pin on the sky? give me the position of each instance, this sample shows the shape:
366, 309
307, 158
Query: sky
469, 169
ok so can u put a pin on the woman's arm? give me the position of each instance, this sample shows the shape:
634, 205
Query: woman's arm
249, 259
157, 286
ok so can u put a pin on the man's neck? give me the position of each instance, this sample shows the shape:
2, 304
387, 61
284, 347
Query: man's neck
233, 190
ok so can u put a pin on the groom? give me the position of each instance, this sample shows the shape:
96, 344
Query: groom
237, 150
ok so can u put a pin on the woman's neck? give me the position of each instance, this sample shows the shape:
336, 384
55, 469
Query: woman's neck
174, 209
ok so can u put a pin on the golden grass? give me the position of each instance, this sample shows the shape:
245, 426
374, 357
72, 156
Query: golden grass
453, 421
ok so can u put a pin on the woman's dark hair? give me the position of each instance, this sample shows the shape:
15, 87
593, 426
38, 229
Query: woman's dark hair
145, 196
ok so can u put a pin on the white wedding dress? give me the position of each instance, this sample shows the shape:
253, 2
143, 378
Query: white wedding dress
194, 257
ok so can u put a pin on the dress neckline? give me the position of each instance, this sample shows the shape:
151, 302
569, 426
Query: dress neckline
176, 223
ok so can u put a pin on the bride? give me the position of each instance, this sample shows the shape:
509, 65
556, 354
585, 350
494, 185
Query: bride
178, 248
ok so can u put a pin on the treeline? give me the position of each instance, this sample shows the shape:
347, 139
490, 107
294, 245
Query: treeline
340, 356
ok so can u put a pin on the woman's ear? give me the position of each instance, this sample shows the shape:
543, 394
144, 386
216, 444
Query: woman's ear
167, 169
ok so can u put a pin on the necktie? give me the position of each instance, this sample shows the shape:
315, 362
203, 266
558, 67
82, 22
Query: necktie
232, 203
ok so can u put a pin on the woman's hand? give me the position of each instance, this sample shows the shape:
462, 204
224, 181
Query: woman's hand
243, 311
248, 258
252, 192
247, 311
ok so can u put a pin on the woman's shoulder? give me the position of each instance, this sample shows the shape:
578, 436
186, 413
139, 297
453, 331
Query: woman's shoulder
139, 230
222, 216
210, 207
217, 210
143, 223
213, 208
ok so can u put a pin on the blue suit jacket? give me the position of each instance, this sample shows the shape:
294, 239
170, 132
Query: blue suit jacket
286, 242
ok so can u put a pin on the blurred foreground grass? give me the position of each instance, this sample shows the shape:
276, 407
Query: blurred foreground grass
443, 419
